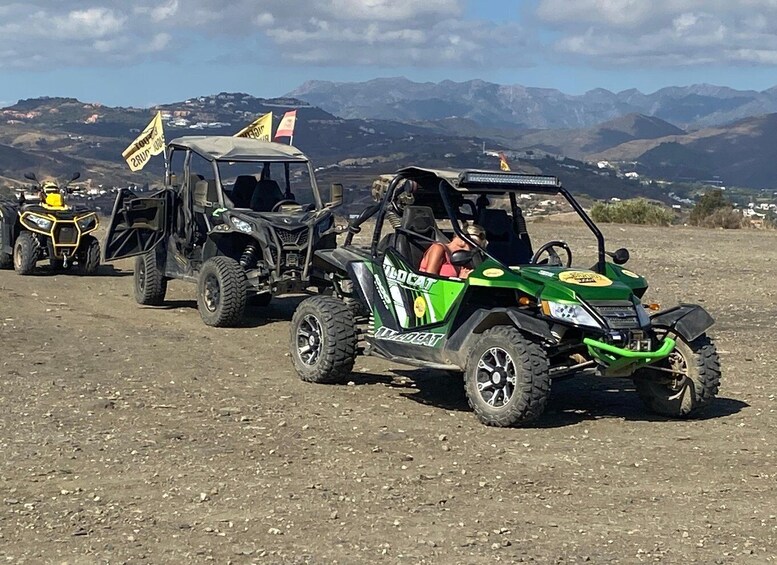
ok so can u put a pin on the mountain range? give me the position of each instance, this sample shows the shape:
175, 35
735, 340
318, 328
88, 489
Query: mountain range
516, 106
55, 136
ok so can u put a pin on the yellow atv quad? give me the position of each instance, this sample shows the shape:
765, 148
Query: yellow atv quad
48, 228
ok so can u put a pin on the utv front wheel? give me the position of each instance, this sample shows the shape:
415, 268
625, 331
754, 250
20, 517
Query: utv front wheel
684, 382
323, 340
221, 292
25, 253
507, 379
150, 283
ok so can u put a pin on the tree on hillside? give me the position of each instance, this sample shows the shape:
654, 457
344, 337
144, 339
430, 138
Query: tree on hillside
714, 210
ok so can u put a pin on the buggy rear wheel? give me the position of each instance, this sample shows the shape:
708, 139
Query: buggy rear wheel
507, 379
89, 255
150, 283
25, 253
687, 380
323, 340
221, 292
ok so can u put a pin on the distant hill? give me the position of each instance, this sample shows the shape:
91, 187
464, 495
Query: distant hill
516, 106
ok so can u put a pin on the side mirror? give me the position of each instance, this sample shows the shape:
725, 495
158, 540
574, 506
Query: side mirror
335, 195
461, 257
30, 176
75, 176
620, 256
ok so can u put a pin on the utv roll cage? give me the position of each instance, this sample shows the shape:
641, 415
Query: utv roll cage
477, 182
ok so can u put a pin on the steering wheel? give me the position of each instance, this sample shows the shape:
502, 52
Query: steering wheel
283, 202
553, 259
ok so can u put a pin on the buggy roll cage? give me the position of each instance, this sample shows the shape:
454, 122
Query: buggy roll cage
477, 182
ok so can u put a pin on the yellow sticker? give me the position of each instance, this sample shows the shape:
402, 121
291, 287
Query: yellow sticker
493, 273
419, 306
629, 274
584, 278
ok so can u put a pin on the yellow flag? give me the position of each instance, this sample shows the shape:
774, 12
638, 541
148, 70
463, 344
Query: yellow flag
260, 128
503, 162
151, 141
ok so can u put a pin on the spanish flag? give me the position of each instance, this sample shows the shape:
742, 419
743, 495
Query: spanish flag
286, 127
503, 165
260, 128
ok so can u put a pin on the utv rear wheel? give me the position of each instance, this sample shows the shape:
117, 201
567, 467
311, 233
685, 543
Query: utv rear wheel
507, 379
89, 255
221, 292
691, 383
150, 283
323, 340
6, 260
25, 253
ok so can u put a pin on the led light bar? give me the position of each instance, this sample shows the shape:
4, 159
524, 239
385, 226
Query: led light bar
512, 179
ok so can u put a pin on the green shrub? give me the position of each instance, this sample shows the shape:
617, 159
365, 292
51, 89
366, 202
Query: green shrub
636, 211
714, 210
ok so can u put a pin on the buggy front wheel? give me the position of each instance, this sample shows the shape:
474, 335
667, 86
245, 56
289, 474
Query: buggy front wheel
323, 340
507, 380
687, 380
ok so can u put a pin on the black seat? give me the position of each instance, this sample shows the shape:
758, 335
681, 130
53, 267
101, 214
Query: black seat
243, 191
508, 240
204, 200
266, 195
416, 233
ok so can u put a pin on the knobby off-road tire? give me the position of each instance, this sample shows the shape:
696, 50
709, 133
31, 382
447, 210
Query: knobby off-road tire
507, 380
323, 340
6, 261
25, 253
682, 397
221, 292
89, 256
150, 283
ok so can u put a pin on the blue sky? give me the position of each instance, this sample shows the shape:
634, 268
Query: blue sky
147, 52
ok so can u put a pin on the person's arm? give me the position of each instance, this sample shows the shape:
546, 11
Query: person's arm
434, 256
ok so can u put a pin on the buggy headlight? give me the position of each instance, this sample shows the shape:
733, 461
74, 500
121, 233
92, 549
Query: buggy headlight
42, 223
569, 313
241, 225
87, 222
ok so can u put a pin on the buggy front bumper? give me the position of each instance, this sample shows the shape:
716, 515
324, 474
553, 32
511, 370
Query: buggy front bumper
623, 361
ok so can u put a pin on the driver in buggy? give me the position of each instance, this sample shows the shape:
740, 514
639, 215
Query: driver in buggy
437, 259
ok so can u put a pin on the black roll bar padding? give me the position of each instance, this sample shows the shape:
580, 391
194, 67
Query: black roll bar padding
288, 194
387, 198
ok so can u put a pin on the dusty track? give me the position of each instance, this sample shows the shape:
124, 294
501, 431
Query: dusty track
141, 435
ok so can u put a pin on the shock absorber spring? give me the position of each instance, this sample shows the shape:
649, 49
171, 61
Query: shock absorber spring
248, 258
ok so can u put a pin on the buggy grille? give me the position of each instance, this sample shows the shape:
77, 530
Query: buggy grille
297, 237
619, 315
65, 234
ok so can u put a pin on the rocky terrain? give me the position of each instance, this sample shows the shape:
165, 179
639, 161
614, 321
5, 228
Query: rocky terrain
140, 435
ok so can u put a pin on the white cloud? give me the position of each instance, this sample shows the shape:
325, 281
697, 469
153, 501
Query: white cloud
388, 33
664, 32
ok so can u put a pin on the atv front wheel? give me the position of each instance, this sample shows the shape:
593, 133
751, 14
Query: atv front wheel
25, 253
323, 340
687, 380
150, 283
507, 379
221, 292
89, 255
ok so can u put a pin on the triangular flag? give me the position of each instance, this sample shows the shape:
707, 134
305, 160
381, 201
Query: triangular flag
260, 128
151, 141
286, 127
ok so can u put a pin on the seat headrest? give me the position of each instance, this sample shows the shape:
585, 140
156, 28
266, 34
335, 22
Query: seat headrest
419, 219
205, 193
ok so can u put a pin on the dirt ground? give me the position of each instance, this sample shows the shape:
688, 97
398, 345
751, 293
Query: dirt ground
133, 434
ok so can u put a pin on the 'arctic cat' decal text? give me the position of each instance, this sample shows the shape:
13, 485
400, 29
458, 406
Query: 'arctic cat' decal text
410, 280
413, 338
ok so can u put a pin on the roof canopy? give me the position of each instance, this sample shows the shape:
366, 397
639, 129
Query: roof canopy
228, 148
